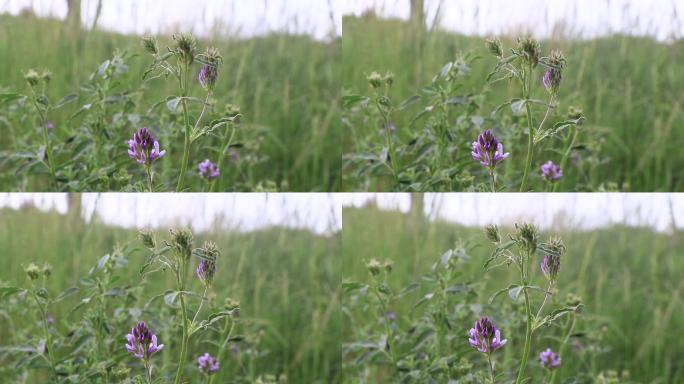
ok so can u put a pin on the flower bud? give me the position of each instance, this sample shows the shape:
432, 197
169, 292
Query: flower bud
527, 236
42, 293
209, 73
185, 47
147, 239
388, 265
550, 266
47, 270
375, 80
374, 267
46, 76
492, 233
32, 77
530, 49
33, 271
573, 300
232, 110
182, 241
389, 78
150, 44
494, 47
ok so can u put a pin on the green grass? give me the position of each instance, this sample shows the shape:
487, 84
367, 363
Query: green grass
287, 280
286, 84
630, 280
629, 89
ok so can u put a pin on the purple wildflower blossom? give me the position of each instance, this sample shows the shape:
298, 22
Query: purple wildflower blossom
485, 337
208, 364
208, 170
552, 79
550, 266
488, 150
50, 125
142, 343
208, 75
50, 319
392, 316
551, 172
144, 148
205, 270
549, 359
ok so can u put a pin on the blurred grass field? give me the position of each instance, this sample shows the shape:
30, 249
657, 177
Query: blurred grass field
285, 279
287, 85
630, 89
630, 280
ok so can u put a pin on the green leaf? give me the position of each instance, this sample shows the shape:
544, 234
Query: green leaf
7, 97
409, 101
349, 101
352, 286
66, 293
518, 107
66, 100
500, 291
170, 299
8, 291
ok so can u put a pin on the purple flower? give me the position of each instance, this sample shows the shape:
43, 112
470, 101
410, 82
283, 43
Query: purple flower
485, 337
50, 125
488, 150
550, 360
205, 271
392, 316
142, 343
208, 364
208, 75
551, 172
144, 148
208, 170
550, 266
552, 79
50, 319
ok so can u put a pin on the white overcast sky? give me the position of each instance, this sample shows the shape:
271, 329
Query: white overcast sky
578, 210
318, 212
660, 18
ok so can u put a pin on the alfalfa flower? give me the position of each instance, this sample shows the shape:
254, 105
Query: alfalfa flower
142, 343
551, 172
208, 364
144, 148
185, 47
485, 337
554, 73
488, 150
208, 170
182, 242
492, 233
207, 267
550, 265
208, 74
527, 237
549, 359
530, 50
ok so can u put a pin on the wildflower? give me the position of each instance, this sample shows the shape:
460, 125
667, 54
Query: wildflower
551, 172
208, 364
494, 47
142, 343
375, 79
150, 45
182, 241
485, 337
144, 148
527, 236
392, 316
488, 150
530, 49
50, 125
208, 170
32, 77
205, 271
374, 267
209, 72
33, 271
185, 47
549, 359
492, 233
550, 266
50, 319
554, 74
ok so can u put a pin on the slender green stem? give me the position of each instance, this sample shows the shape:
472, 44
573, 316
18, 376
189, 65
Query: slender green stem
388, 330
46, 333
227, 332
530, 128
46, 136
204, 295
148, 371
546, 296
222, 155
566, 154
491, 367
528, 323
149, 176
186, 122
390, 143
561, 348
180, 277
492, 176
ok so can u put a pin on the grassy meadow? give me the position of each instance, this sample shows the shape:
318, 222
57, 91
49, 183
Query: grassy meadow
629, 279
286, 280
285, 85
628, 87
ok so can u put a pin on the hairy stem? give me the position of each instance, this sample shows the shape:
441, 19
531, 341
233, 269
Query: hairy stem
491, 367
149, 176
180, 277
186, 122
530, 128
46, 334
204, 295
388, 331
528, 323
390, 143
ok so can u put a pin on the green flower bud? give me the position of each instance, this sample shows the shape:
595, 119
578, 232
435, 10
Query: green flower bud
182, 241
527, 236
33, 271
494, 47
375, 80
492, 233
47, 270
150, 45
46, 76
185, 47
388, 265
147, 239
32, 77
530, 49
374, 267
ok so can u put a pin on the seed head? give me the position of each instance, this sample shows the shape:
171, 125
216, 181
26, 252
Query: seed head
492, 233
485, 337
150, 44
488, 150
494, 47
185, 47
551, 172
208, 364
549, 359
33, 271
374, 267
530, 49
